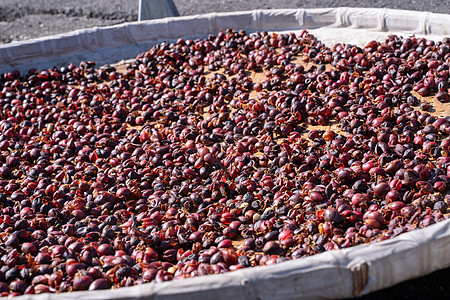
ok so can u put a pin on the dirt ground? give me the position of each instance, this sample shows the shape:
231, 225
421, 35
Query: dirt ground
27, 19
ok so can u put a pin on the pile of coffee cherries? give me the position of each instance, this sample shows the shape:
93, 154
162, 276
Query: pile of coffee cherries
211, 155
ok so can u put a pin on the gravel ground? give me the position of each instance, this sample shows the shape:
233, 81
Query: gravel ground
26, 19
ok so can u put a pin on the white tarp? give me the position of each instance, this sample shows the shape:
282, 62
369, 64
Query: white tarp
110, 44
335, 274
